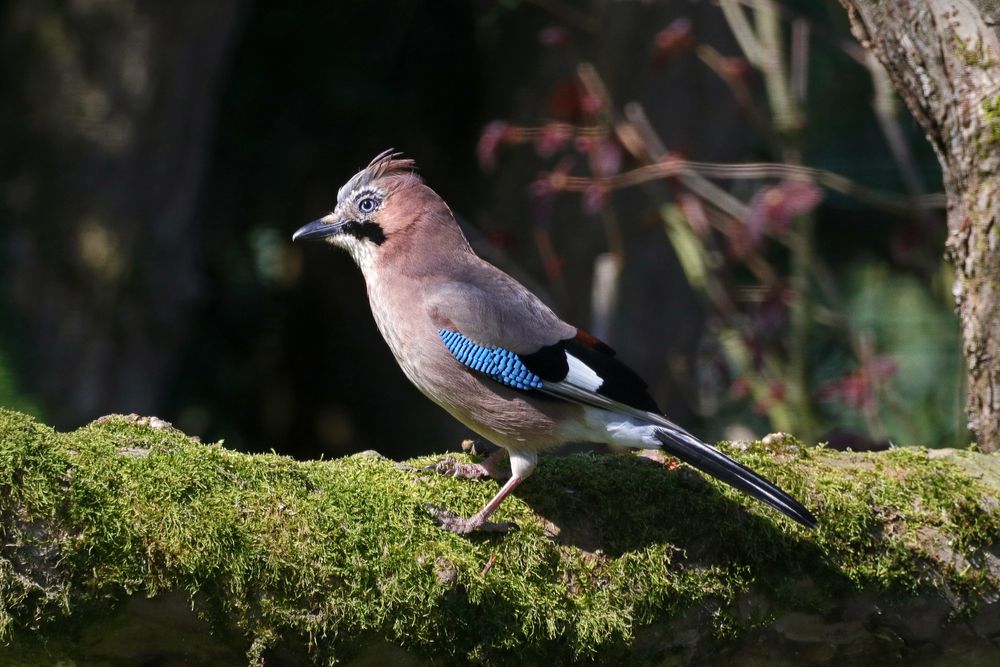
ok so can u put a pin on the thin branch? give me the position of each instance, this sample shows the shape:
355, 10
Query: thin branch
695, 182
737, 84
742, 31
800, 60
672, 167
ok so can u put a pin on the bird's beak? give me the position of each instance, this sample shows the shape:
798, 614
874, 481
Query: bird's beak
317, 229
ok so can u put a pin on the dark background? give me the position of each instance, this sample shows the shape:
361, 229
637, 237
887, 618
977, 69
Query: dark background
157, 157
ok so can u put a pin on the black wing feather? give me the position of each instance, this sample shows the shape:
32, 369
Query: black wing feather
620, 383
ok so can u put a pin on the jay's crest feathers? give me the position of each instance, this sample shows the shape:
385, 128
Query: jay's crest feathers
486, 349
386, 163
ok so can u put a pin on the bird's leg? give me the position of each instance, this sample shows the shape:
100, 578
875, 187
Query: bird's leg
490, 467
456, 524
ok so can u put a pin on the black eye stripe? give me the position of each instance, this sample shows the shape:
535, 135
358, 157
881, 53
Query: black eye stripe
365, 230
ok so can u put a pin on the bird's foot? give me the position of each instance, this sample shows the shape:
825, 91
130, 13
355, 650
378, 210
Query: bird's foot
456, 524
455, 468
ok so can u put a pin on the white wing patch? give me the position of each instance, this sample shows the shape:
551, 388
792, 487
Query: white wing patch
582, 375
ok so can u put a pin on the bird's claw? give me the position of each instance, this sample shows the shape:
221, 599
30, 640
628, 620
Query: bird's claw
456, 524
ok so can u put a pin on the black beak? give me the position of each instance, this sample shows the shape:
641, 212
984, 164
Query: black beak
315, 230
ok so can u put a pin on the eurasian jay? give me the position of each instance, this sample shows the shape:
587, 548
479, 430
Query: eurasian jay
484, 348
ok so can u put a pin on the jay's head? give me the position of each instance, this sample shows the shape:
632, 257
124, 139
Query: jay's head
378, 207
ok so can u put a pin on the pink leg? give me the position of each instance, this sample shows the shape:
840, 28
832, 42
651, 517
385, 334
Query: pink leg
450, 521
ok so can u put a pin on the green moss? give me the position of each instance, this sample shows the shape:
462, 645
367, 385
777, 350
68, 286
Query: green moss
973, 54
991, 114
321, 554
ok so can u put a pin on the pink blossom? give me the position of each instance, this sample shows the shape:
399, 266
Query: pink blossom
778, 390
695, 213
734, 67
606, 157
676, 37
544, 188
772, 311
595, 197
772, 208
552, 138
591, 105
541, 187
493, 137
739, 388
857, 389
555, 37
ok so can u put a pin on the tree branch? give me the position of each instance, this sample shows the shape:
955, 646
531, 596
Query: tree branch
127, 539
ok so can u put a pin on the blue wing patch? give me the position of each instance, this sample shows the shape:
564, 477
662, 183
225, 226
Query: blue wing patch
500, 364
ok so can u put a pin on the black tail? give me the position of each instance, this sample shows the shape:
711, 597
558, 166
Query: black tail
689, 449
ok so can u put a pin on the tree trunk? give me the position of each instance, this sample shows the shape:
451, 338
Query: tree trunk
126, 542
944, 58
107, 128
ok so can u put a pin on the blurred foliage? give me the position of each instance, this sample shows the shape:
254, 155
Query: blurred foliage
919, 396
791, 304
274, 346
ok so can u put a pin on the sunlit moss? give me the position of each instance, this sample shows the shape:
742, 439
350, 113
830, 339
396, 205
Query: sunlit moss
325, 555
991, 113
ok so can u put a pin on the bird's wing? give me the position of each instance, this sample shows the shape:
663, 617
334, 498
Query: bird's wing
505, 332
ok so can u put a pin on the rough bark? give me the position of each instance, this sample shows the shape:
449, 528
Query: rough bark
107, 128
126, 542
944, 59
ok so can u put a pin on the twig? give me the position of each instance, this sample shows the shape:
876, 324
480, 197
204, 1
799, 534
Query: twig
676, 167
489, 564
762, 47
691, 179
800, 60
741, 92
742, 31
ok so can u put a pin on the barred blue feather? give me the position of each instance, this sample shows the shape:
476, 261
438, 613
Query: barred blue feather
500, 364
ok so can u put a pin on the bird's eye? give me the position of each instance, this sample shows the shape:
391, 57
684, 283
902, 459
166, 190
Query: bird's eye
367, 205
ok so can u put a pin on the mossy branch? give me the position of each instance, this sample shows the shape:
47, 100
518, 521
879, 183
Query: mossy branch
126, 539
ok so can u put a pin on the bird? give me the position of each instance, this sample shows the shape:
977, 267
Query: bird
488, 351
